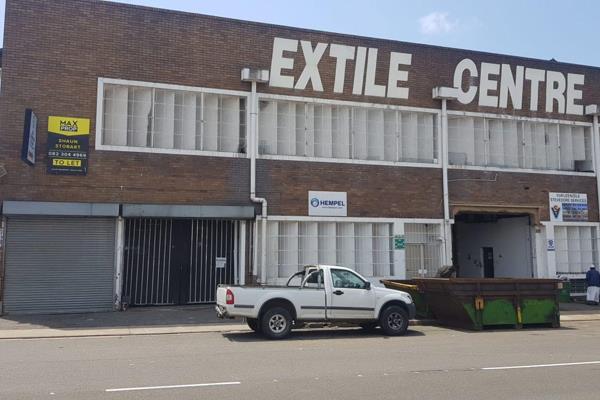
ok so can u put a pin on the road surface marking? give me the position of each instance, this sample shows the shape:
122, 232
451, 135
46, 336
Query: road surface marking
172, 386
541, 365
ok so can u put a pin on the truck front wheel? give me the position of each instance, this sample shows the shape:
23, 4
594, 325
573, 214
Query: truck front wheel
276, 323
394, 320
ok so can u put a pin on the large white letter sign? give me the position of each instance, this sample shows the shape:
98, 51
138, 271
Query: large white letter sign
311, 69
279, 62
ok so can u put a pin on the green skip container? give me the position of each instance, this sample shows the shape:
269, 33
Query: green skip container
491, 302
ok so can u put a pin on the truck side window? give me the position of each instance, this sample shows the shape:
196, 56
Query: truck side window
346, 279
314, 280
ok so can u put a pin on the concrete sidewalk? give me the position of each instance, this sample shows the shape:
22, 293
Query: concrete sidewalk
135, 321
170, 320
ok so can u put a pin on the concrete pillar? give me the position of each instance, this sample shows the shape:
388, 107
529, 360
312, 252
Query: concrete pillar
399, 250
119, 262
550, 269
2, 262
242, 254
447, 243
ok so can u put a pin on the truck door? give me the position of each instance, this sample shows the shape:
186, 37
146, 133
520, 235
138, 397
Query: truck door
311, 297
351, 297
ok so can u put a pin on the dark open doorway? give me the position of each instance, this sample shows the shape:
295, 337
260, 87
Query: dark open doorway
487, 245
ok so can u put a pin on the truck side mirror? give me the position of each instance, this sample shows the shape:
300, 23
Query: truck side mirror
368, 285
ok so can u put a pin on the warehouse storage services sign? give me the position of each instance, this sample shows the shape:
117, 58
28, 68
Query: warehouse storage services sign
68, 142
327, 204
568, 207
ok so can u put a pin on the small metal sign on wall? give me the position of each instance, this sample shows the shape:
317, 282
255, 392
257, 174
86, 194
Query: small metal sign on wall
399, 242
1, 233
29, 137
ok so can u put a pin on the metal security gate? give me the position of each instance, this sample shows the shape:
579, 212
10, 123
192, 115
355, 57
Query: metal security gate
171, 261
59, 264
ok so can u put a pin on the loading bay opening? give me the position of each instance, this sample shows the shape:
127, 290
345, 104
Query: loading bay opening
493, 245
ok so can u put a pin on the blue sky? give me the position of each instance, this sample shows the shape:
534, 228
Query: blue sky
563, 30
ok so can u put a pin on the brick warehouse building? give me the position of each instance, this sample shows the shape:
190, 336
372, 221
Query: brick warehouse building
156, 158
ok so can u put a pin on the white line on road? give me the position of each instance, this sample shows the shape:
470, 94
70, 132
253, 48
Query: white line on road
172, 386
541, 365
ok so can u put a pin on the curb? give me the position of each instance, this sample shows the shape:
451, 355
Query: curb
115, 332
174, 330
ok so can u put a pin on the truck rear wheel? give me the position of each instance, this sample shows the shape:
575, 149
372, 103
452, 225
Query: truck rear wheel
276, 323
394, 320
253, 324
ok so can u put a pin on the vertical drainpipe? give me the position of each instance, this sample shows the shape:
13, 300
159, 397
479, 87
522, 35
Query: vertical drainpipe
444, 94
596, 142
444, 156
594, 110
253, 149
3, 229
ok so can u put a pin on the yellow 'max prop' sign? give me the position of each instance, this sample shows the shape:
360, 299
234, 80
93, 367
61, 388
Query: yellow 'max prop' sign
69, 126
68, 142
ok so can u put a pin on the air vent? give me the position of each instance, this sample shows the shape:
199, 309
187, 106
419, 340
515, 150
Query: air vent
584, 166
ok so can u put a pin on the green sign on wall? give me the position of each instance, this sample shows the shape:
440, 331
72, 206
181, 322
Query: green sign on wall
399, 242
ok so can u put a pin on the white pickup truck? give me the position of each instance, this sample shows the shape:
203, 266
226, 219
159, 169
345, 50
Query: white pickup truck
320, 293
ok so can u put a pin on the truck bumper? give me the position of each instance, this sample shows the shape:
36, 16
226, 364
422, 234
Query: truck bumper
412, 310
222, 312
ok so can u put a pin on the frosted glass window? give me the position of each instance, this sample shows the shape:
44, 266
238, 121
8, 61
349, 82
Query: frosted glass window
517, 144
576, 248
362, 246
293, 128
138, 116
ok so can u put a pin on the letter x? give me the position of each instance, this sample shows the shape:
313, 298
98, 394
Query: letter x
311, 70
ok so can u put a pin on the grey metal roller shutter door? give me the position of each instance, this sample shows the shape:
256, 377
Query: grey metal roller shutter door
59, 265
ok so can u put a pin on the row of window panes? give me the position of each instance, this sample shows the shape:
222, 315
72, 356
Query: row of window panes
333, 131
576, 248
517, 144
170, 119
364, 247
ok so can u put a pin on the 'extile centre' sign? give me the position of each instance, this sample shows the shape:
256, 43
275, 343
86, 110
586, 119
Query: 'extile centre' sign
497, 82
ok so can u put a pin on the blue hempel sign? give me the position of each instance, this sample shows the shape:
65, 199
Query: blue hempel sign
29, 137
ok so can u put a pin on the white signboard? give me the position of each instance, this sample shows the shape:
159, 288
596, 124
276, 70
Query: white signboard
220, 262
568, 207
327, 204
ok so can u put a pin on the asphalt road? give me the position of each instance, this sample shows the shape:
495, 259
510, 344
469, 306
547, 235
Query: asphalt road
429, 363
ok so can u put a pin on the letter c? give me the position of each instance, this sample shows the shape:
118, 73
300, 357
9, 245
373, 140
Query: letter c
461, 67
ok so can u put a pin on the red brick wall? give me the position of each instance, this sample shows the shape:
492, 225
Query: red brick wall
520, 189
372, 191
54, 52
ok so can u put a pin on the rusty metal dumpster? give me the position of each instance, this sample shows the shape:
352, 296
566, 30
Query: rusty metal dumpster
478, 303
417, 295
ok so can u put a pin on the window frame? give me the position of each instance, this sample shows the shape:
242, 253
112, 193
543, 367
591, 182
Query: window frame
435, 112
518, 119
99, 146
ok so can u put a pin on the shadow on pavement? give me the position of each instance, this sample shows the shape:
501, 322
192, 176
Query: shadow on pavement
149, 317
313, 334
